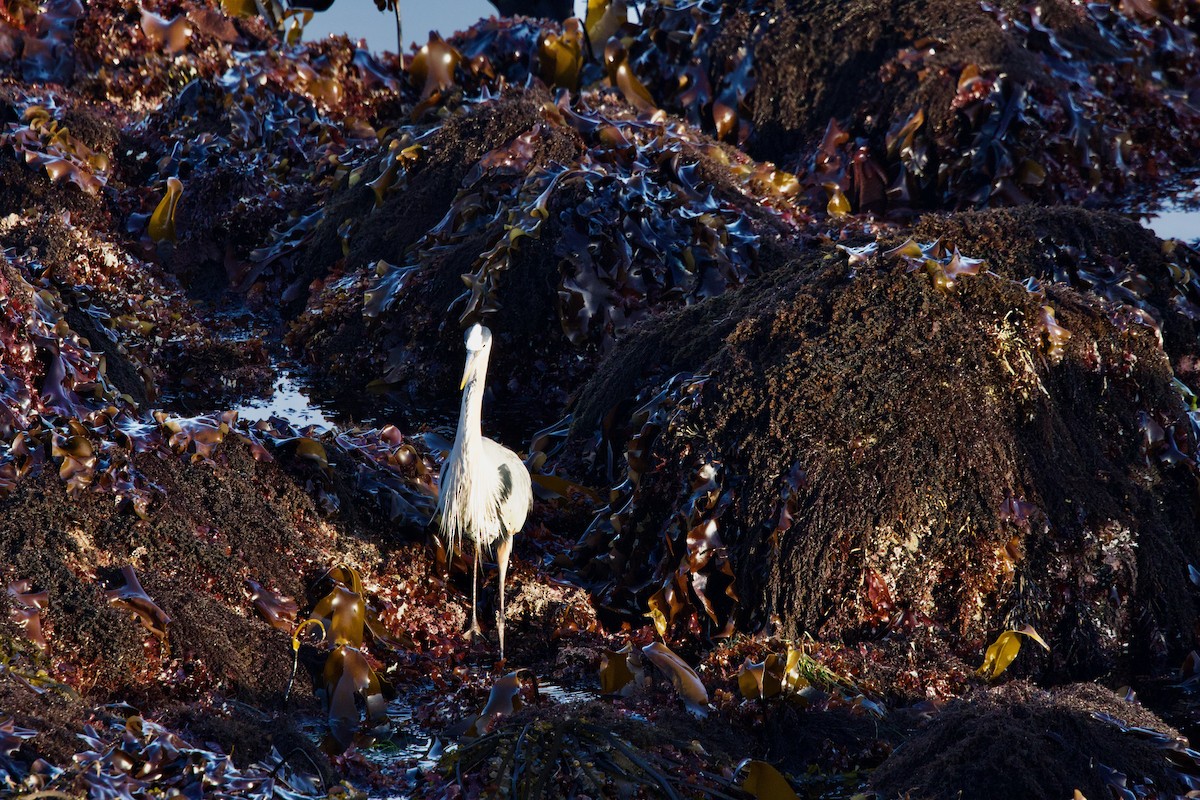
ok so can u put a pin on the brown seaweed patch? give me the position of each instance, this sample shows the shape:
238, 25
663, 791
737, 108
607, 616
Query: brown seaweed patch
132, 597
1018, 740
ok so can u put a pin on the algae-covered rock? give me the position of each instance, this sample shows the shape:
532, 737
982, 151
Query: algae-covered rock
944, 104
867, 445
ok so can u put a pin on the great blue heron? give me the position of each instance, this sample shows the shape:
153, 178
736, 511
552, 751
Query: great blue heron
485, 492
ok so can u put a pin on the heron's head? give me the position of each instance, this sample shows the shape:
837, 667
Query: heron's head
479, 342
478, 338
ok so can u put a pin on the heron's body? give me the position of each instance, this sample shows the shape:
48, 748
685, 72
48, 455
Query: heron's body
485, 492
487, 506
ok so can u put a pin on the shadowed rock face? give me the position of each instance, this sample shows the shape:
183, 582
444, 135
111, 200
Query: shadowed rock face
860, 452
549, 9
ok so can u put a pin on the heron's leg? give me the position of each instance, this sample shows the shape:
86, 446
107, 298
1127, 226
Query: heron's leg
503, 552
475, 590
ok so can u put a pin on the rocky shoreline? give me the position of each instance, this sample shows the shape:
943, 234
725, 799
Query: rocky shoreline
838, 364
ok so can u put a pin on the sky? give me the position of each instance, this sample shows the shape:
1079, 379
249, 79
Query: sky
361, 20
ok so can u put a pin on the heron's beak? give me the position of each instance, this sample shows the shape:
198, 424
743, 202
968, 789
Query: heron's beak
467, 370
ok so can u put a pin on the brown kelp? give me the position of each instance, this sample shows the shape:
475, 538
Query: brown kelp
952, 105
621, 216
130, 756
348, 674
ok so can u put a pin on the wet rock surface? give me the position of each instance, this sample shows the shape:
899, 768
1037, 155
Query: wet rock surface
833, 380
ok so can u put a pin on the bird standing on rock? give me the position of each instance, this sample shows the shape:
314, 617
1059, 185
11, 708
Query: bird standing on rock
485, 491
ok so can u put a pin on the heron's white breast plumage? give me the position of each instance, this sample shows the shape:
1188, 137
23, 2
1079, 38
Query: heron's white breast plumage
474, 503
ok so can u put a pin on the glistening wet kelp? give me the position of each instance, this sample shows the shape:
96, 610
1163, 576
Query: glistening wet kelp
953, 105
348, 674
622, 216
128, 756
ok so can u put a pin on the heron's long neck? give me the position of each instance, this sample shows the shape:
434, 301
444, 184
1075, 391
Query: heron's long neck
469, 435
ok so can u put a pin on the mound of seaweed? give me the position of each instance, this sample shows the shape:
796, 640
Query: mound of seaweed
153, 340
568, 222
1021, 741
165, 516
942, 104
178, 620
879, 444
48, 161
1104, 254
255, 148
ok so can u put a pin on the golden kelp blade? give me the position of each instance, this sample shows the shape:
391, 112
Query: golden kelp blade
685, 680
503, 700
761, 680
1032, 634
347, 674
162, 221
620, 73
620, 671
764, 782
634, 91
560, 58
239, 8
658, 611
1055, 335
433, 66
604, 18
133, 597
838, 205
172, 35
999, 655
561, 487
1002, 651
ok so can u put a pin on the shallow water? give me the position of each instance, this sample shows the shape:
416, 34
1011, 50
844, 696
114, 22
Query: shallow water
1176, 215
407, 749
303, 402
565, 695
290, 400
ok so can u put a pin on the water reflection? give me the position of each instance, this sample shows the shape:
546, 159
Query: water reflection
303, 402
1177, 215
